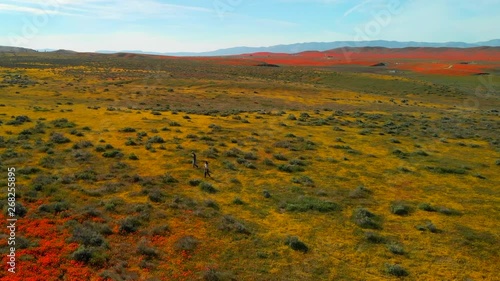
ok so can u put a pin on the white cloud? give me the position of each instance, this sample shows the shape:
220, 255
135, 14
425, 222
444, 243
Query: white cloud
103, 9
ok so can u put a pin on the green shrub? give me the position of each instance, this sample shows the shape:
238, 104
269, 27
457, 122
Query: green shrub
298, 162
212, 204
59, 138
112, 154
443, 170
365, 219
396, 270
129, 225
47, 162
156, 139
127, 130
400, 208
88, 236
305, 204
28, 170
296, 244
374, 238
290, 168
427, 207
194, 182
250, 156
100, 148
396, 249
268, 162
156, 196
207, 187
304, 180
144, 249
238, 201
63, 123
20, 211
167, 178
229, 223
448, 211
186, 243
160, 230
360, 192
230, 166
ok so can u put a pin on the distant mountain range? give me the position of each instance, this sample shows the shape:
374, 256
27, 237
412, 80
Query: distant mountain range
290, 48
320, 46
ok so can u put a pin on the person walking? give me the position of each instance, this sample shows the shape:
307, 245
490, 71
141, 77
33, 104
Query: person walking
194, 160
207, 171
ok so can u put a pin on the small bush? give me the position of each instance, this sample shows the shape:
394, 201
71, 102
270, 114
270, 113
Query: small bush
83, 254
238, 201
400, 208
59, 138
82, 144
194, 182
290, 168
250, 156
360, 192
87, 175
229, 223
396, 270
396, 249
47, 162
375, 238
144, 249
186, 243
266, 194
298, 162
207, 187
55, 207
442, 170
427, 207
365, 219
167, 178
20, 211
428, 226
132, 156
100, 148
304, 180
129, 225
156, 196
448, 211
296, 244
306, 204
268, 162
160, 230
112, 154
63, 123
127, 130
230, 166
280, 157
28, 170
212, 204
88, 236
156, 139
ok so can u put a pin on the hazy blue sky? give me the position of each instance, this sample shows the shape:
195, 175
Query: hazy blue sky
204, 25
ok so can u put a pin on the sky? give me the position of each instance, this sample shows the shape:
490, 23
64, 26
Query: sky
207, 25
